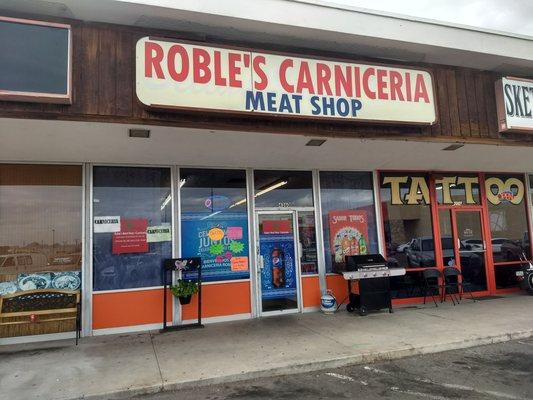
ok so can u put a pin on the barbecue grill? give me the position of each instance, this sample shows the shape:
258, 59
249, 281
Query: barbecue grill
368, 279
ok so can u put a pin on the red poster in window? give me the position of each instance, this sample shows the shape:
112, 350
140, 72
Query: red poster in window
348, 232
277, 227
132, 236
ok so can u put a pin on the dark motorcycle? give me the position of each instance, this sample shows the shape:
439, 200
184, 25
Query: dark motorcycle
525, 275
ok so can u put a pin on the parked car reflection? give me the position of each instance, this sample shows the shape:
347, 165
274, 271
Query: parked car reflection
513, 250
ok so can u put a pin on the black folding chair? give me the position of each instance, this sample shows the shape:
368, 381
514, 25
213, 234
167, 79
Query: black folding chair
464, 286
452, 284
432, 284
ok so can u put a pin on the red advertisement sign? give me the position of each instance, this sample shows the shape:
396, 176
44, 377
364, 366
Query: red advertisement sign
277, 227
348, 232
132, 237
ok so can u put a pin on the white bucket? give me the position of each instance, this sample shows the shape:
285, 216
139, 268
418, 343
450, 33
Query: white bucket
328, 303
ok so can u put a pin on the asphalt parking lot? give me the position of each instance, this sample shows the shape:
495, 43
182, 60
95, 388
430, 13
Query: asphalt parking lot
498, 371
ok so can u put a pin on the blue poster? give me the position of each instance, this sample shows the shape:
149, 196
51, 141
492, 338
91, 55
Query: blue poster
278, 276
221, 240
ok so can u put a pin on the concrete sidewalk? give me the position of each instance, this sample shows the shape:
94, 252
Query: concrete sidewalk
123, 365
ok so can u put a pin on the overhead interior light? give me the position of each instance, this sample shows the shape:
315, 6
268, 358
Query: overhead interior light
210, 215
182, 182
165, 202
453, 147
261, 192
238, 203
316, 142
270, 188
139, 133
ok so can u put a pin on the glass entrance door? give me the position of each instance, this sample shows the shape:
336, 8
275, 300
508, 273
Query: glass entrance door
277, 262
464, 245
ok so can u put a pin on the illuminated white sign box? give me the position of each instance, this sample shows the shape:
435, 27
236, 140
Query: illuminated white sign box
185, 75
514, 100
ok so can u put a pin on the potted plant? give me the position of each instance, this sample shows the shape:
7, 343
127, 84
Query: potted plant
183, 290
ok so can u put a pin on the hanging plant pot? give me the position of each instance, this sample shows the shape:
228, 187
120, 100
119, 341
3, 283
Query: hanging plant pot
183, 290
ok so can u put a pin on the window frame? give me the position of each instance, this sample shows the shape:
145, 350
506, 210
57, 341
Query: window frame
42, 97
249, 212
90, 219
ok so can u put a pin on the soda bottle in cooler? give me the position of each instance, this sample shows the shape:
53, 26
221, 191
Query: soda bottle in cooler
362, 245
278, 267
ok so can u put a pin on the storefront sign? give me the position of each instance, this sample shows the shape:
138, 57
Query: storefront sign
132, 237
418, 192
465, 183
348, 230
497, 190
106, 224
514, 98
161, 233
184, 75
510, 191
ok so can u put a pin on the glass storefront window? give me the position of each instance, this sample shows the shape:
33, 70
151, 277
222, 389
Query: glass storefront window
407, 220
283, 188
348, 215
214, 221
132, 231
405, 205
40, 241
508, 217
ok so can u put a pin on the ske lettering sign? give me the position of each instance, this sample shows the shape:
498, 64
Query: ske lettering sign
514, 99
185, 75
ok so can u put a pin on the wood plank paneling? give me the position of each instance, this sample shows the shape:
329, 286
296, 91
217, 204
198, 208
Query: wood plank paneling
442, 102
125, 77
462, 102
89, 78
481, 106
104, 90
490, 104
453, 104
107, 71
471, 100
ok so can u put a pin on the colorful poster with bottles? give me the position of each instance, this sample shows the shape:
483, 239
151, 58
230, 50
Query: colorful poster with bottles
348, 232
278, 275
220, 240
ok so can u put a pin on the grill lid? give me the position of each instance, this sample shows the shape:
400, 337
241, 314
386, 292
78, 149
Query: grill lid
364, 261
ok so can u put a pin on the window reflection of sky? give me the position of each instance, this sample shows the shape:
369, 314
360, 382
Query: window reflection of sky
30, 213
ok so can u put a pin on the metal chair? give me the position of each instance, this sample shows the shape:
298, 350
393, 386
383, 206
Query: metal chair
432, 277
452, 284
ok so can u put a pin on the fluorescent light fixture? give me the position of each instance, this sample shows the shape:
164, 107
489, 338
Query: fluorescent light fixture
182, 182
238, 203
270, 188
139, 133
165, 202
210, 215
453, 147
261, 192
316, 142
439, 186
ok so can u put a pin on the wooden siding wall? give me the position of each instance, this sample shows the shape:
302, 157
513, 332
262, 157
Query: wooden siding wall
104, 90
